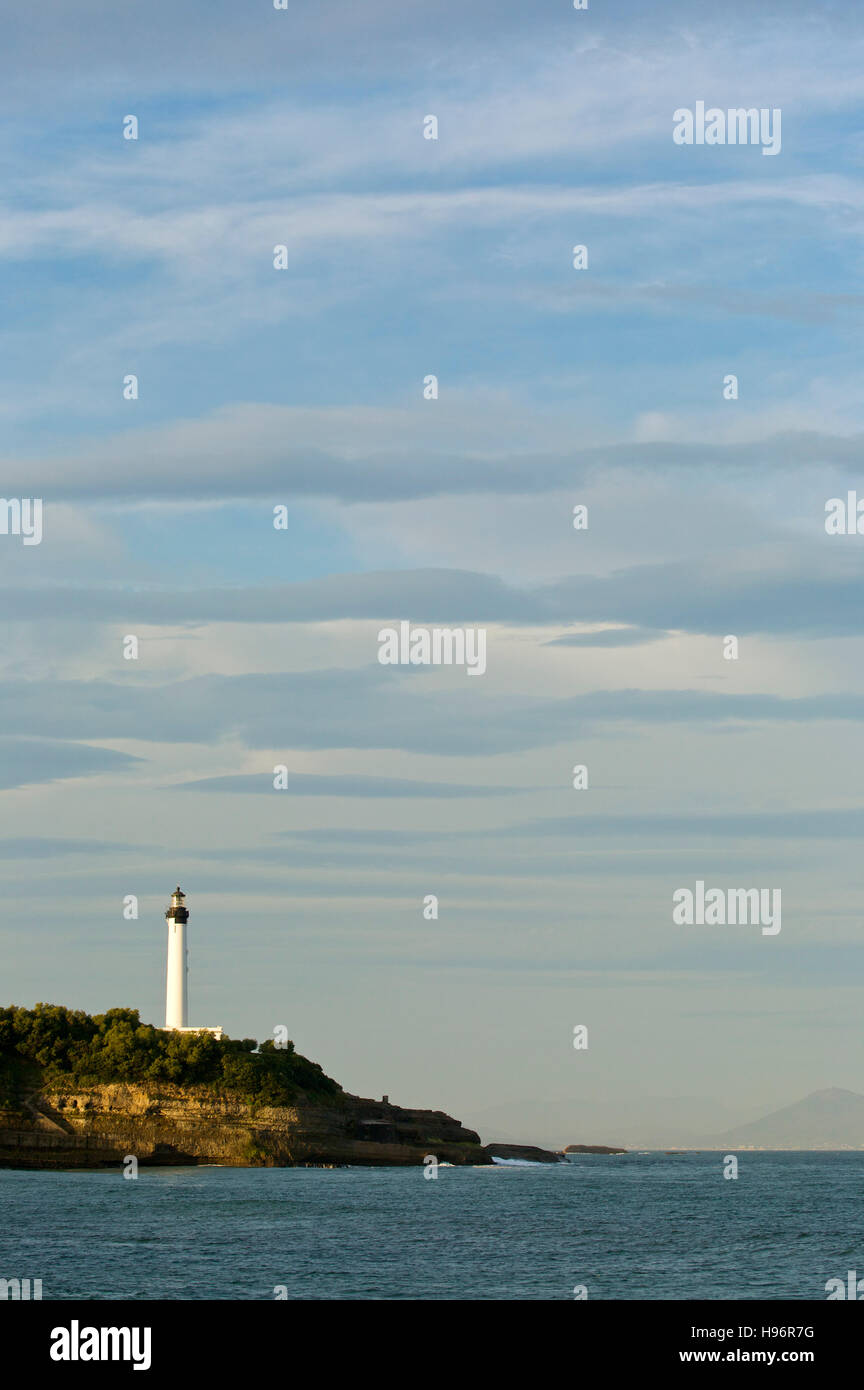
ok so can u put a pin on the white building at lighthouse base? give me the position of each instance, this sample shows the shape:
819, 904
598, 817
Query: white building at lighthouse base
217, 1032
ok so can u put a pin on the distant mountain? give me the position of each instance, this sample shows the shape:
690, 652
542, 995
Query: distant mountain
829, 1119
617, 1117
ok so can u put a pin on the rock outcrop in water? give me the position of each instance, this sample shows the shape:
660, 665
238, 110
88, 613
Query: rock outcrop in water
592, 1149
96, 1126
525, 1153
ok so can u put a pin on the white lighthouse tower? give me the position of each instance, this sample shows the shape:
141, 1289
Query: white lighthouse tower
177, 989
177, 993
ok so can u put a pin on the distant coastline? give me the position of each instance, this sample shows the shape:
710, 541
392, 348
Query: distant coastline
86, 1091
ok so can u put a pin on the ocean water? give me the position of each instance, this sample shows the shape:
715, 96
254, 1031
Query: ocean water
636, 1226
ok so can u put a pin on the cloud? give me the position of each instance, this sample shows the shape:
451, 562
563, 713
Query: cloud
46, 847
372, 708
803, 587
25, 761
372, 454
311, 784
610, 637
822, 823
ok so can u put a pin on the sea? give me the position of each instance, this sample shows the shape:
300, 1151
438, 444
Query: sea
630, 1226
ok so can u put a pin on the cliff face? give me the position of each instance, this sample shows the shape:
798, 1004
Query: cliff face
164, 1124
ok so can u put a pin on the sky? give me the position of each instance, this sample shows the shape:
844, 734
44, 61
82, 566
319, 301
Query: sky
303, 388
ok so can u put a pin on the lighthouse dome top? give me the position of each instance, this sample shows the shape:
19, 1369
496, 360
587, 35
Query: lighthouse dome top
178, 910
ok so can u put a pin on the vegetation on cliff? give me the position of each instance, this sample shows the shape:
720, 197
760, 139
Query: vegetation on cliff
71, 1047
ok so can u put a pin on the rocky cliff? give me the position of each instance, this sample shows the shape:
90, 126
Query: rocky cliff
161, 1123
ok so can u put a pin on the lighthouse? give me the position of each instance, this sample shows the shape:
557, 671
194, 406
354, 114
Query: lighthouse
177, 988
177, 992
